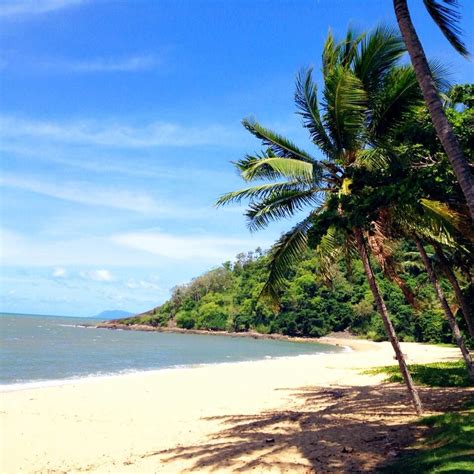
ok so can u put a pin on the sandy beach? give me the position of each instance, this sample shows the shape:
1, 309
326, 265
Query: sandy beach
300, 414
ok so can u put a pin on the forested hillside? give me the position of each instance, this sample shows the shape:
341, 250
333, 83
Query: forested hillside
311, 304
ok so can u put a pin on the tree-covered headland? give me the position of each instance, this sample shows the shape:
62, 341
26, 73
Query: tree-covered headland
311, 305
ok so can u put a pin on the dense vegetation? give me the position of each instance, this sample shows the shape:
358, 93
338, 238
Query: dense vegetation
227, 299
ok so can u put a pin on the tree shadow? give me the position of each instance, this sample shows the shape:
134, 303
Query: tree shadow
342, 429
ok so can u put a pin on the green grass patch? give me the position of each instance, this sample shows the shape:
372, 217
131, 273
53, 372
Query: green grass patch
437, 374
449, 447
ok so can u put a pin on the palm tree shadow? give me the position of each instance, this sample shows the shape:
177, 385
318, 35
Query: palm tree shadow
342, 429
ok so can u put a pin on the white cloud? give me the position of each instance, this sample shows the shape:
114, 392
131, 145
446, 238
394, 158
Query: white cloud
113, 134
14, 8
59, 272
138, 249
111, 197
190, 247
84, 193
98, 275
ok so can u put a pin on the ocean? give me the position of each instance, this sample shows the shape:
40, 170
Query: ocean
45, 350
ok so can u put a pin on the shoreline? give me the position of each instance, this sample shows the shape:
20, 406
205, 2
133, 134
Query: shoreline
41, 384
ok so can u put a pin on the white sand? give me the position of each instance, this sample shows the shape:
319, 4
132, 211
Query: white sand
115, 424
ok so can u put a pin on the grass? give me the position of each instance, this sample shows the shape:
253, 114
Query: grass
437, 374
449, 447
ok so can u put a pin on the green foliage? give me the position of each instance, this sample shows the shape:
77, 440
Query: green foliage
185, 319
312, 303
437, 374
447, 448
212, 316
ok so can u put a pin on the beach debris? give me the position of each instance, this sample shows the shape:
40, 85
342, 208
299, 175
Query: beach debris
347, 449
269, 440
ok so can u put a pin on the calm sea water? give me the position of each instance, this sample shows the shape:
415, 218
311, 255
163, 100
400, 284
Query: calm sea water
40, 350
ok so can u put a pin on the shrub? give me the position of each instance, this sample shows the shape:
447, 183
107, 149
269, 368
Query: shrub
185, 319
212, 316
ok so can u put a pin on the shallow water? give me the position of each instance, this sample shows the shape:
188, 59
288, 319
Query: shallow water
45, 348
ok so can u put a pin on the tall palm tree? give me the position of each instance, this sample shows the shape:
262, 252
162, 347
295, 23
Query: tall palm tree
365, 94
446, 16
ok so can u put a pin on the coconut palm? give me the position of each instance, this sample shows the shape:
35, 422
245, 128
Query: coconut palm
446, 16
365, 94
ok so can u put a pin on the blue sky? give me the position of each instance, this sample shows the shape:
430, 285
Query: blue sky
118, 122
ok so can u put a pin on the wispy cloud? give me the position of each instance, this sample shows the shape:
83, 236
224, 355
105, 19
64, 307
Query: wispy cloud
117, 197
208, 247
137, 249
118, 135
19, 8
84, 193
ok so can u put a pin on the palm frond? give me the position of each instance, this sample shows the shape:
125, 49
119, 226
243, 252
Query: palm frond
259, 192
286, 250
449, 219
446, 15
348, 47
400, 93
372, 159
328, 251
437, 222
345, 102
306, 98
330, 54
281, 167
278, 145
379, 51
278, 206
441, 74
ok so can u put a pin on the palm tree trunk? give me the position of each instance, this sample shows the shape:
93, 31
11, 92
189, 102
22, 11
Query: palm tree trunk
387, 264
465, 306
442, 126
447, 310
387, 322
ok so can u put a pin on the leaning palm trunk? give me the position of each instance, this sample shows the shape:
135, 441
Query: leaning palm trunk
388, 266
442, 126
447, 310
465, 306
387, 322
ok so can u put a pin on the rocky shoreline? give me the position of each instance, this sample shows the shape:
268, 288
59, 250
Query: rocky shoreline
337, 339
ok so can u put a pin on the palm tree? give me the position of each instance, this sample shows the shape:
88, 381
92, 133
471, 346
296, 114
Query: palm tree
447, 310
382, 250
365, 94
436, 223
462, 300
446, 16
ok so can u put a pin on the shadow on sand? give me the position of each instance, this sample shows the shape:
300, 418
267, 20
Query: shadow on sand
330, 430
